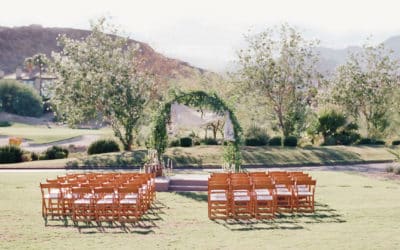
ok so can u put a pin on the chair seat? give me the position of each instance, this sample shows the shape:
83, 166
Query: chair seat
67, 196
105, 201
283, 192
240, 193
110, 196
128, 201
262, 191
241, 198
217, 191
264, 198
52, 196
131, 196
304, 193
89, 196
82, 201
218, 197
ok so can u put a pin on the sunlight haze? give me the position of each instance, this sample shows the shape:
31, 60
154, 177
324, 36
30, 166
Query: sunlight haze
207, 33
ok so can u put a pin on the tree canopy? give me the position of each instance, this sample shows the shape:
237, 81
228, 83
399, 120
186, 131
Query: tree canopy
278, 66
99, 77
364, 87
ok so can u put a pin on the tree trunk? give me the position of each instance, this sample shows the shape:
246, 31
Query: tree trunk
40, 81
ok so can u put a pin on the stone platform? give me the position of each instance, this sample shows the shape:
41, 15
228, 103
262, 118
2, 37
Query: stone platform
182, 182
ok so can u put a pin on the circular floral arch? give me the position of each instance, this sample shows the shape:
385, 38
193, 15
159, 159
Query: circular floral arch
199, 99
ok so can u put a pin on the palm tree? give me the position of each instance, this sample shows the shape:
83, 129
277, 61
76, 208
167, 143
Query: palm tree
39, 61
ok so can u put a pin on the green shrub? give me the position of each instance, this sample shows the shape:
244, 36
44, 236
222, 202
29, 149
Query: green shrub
254, 142
290, 141
329, 141
256, 136
389, 169
5, 124
209, 141
103, 146
34, 156
26, 156
346, 138
370, 141
175, 143
396, 142
329, 122
55, 152
365, 141
186, 142
275, 141
10, 154
19, 98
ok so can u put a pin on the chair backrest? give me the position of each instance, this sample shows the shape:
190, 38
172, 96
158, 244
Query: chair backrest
47, 188
101, 192
218, 186
81, 192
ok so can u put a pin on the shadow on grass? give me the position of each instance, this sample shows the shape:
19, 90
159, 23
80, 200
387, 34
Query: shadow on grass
282, 156
122, 160
196, 196
145, 225
181, 158
286, 221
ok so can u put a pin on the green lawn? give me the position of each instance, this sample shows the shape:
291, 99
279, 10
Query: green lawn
43, 134
212, 155
277, 156
352, 212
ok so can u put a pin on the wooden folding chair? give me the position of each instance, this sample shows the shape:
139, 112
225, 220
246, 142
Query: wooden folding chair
129, 204
82, 205
264, 198
241, 199
105, 204
51, 200
284, 194
218, 200
304, 195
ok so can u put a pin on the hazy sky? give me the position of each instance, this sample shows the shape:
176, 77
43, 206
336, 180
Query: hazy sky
206, 33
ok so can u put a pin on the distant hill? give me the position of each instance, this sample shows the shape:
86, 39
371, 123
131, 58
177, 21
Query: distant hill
331, 58
20, 42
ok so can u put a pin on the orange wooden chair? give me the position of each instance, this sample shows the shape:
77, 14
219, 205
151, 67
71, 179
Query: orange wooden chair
51, 200
284, 194
241, 199
105, 204
264, 198
82, 205
304, 195
129, 204
218, 200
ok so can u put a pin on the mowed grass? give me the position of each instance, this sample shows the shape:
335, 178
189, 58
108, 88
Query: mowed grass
352, 212
279, 156
44, 134
212, 156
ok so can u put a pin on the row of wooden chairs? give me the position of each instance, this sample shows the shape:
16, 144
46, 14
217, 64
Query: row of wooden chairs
259, 194
98, 197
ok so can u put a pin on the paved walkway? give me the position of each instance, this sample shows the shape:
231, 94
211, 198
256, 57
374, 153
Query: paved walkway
78, 141
363, 168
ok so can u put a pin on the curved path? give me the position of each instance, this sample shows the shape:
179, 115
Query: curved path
83, 140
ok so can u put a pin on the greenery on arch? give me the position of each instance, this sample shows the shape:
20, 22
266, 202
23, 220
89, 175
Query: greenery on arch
201, 100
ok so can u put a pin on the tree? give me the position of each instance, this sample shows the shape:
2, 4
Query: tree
40, 61
364, 87
279, 67
19, 98
101, 76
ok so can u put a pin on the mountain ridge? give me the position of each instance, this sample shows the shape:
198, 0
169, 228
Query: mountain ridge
17, 43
